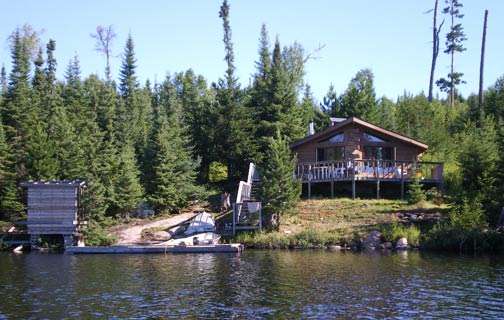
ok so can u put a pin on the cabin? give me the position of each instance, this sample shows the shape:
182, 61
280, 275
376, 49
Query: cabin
54, 209
352, 152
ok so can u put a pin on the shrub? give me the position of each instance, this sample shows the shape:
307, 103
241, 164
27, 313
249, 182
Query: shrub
415, 194
396, 231
95, 235
310, 238
217, 172
466, 228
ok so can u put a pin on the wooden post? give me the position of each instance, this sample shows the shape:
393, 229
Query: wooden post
402, 181
377, 171
33, 239
332, 174
353, 178
309, 181
260, 219
378, 186
234, 219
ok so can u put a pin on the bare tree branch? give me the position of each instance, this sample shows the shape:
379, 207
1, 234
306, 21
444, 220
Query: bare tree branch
104, 37
313, 53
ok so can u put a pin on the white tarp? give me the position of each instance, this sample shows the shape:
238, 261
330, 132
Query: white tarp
203, 222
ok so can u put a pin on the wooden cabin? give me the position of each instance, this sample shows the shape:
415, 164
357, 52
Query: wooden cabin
54, 209
353, 150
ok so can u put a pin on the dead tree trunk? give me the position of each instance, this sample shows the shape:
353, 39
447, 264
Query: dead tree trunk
482, 63
435, 48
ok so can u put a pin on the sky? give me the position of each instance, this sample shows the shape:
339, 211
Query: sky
391, 37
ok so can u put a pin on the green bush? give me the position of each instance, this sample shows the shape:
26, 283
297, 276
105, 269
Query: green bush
217, 172
415, 194
465, 229
95, 235
310, 238
396, 231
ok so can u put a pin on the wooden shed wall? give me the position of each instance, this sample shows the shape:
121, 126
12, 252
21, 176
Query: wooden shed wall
52, 209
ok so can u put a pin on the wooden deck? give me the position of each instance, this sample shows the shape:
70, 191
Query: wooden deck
216, 248
400, 172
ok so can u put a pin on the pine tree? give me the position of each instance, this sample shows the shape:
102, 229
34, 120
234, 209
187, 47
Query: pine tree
43, 163
260, 97
10, 204
415, 194
3, 153
73, 91
330, 102
278, 189
199, 117
128, 82
478, 157
39, 79
235, 135
171, 170
128, 190
135, 105
18, 111
359, 100
312, 113
287, 71
3, 80
94, 204
454, 40
50, 70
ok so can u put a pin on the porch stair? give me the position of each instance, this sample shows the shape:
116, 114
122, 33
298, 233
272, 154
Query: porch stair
243, 217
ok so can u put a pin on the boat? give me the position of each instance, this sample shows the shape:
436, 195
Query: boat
200, 231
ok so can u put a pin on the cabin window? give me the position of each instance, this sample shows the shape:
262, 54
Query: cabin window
375, 153
340, 137
331, 154
372, 138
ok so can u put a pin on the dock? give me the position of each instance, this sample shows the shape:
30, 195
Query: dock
216, 248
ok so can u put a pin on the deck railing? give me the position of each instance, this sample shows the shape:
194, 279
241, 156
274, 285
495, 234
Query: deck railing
369, 170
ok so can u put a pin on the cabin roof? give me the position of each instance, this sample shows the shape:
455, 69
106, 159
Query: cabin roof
60, 183
353, 120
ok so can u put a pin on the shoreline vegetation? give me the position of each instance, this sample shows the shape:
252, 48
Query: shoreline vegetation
345, 224
159, 145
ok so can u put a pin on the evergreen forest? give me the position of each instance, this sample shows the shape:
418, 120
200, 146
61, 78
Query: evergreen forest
167, 143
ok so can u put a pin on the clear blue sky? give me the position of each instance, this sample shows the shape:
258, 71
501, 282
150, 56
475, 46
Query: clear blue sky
391, 37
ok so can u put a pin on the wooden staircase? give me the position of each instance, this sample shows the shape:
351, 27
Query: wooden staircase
247, 210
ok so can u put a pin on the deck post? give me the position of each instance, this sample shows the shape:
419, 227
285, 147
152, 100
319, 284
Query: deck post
332, 175
353, 179
377, 173
402, 181
378, 186
234, 219
260, 220
309, 181
33, 239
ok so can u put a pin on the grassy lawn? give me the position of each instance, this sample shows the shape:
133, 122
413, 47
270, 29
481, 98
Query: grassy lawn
317, 223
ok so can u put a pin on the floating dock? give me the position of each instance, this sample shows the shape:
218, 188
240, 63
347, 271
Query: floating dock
215, 248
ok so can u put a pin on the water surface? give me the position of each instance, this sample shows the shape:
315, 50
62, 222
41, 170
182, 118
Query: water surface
253, 285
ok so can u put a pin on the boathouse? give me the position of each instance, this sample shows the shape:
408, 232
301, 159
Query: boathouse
353, 153
54, 209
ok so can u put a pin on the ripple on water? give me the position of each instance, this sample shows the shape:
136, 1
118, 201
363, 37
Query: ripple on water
255, 285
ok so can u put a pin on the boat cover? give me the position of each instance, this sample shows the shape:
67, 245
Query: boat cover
203, 222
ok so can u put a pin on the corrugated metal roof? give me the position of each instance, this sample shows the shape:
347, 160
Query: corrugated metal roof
62, 183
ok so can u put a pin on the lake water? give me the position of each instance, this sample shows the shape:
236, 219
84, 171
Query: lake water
253, 285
